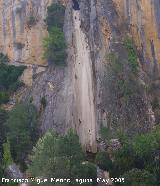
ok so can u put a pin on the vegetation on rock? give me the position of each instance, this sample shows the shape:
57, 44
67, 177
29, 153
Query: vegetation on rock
9, 80
55, 16
103, 161
132, 56
137, 177
21, 130
60, 157
7, 157
54, 44
3, 58
137, 160
31, 21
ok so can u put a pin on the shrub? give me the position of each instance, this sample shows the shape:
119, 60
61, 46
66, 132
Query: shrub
7, 157
43, 102
54, 44
15, 86
21, 124
55, 47
31, 21
137, 177
103, 161
105, 133
141, 152
60, 156
55, 16
86, 170
4, 97
9, 75
9, 80
132, 56
3, 117
3, 58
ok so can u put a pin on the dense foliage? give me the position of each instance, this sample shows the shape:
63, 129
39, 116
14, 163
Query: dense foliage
7, 157
103, 161
3, 58
55, 44
138, 160
60, 157
137, 177
132, 55
55, 16
9, 80
3, 117
21, 124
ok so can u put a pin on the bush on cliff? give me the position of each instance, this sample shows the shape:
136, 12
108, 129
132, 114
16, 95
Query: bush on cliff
137, 177
103, 161
9, 80
21, 130
3, 58
140, 153
55, 47
55, 16
55, 44
132, 55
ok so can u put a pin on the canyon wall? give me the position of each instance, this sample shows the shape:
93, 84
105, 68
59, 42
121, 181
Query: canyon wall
20, 38
142, 19
81, 95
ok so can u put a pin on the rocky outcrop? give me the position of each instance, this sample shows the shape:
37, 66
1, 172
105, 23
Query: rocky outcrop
14, 172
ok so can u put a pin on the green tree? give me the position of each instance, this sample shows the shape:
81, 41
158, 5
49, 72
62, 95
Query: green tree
43, 155
70, 147
7, 157
55, 16
9, 75
9, 80
21, 123
86, 170
55, 46
136, 177
132, 55
3, 117
3, 58
103, 161
61, 157
140, 152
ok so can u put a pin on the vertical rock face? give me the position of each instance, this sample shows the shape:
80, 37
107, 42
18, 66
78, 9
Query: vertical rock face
143, 21
22, 29
79, 95
84, 86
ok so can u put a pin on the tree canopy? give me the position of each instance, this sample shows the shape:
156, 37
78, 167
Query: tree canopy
21, 124
60, 157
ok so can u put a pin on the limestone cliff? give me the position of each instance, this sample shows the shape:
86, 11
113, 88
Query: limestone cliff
142, 19
81, 95
21, 41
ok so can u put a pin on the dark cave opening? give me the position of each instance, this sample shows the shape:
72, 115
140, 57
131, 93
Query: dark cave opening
75, 5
